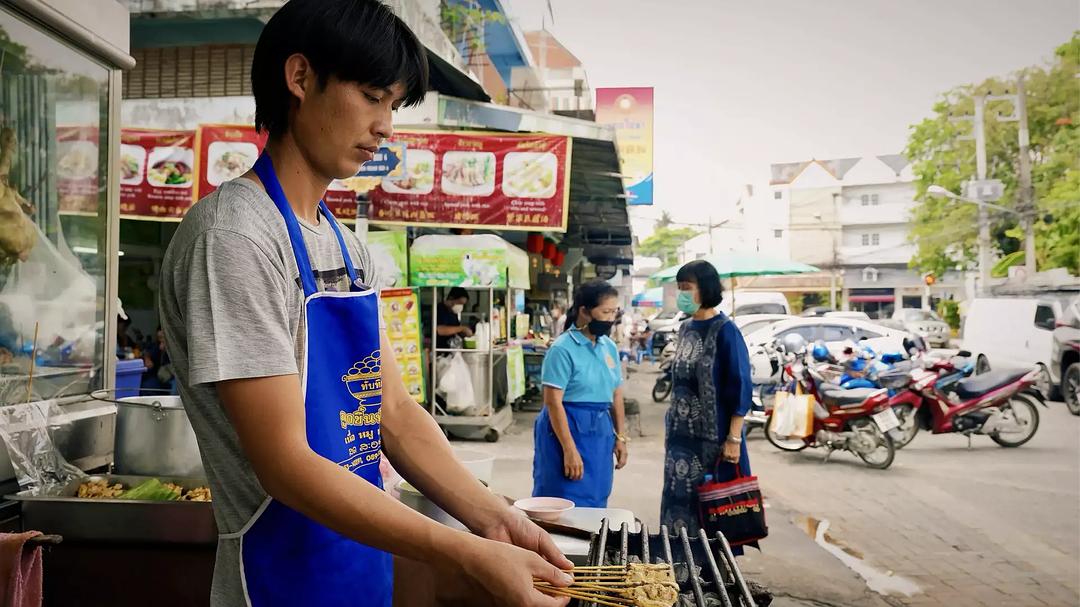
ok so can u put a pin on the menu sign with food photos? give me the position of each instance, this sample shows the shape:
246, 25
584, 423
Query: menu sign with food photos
401, 315
228, 151
157, 173
471, 179
78, 157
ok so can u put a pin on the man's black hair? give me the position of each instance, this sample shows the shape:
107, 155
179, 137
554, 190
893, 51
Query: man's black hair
457, 293
359, 41
707, 279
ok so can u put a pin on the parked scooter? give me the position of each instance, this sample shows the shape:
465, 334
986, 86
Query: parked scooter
662, 388
906, 403
999, 404
855, 420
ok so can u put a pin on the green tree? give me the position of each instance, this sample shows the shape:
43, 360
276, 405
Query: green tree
665, 242
945, 231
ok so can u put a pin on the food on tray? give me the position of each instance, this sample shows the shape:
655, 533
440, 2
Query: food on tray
99, 489
420, 177
17, 232
198, 494
129, 167
634, 585
169, 172
150, 490
468, 173
232, 164
529, 175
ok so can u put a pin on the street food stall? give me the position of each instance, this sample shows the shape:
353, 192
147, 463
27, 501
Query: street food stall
474, 383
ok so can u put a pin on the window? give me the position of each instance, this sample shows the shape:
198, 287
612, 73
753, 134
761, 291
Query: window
874, 199
1044, 317
871, 240
806, 332
870, 275
865, 334
837, 333
57, 100
865, 199
760, 308
865, 240
778, 195
778, 233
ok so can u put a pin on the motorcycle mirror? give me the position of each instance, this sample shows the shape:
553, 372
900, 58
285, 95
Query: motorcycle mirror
964, 354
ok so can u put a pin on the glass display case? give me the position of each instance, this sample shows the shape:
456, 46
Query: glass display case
57, 103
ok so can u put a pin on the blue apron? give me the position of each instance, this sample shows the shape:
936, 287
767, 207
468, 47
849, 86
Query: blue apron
594, 435
287, 558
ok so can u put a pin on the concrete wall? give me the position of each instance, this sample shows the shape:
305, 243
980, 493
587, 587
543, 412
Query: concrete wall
813, 225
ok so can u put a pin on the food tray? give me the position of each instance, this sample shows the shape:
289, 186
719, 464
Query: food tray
117, 520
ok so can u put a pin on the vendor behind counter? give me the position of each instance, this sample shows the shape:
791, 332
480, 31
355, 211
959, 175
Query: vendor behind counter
448, 326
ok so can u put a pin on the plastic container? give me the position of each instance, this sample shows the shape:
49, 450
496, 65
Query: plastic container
479, 463
129, 377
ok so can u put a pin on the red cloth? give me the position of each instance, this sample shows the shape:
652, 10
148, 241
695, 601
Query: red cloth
20, 571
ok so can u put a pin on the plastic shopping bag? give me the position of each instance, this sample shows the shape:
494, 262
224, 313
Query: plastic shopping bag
455, 383
793, 415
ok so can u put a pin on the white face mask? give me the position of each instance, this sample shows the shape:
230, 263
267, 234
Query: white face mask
458, 309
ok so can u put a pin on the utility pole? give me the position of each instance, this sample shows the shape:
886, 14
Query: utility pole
1025, 193
980, 174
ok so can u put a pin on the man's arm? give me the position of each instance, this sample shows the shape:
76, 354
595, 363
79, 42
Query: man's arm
420, 452
268, 415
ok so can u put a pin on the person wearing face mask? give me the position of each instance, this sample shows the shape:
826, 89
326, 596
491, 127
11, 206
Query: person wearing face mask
580, 437
448, 323
711, 394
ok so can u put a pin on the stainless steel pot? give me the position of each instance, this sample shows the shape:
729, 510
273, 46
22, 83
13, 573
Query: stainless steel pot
154, 438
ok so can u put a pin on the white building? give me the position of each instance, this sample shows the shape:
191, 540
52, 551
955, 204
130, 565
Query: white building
851, 216
557, 76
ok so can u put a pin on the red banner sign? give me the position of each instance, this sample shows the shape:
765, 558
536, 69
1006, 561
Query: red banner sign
469, 179
77, 168
228, 151
157, 173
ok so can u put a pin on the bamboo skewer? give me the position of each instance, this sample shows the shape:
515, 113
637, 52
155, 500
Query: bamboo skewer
599, 599
33, 359
611, 585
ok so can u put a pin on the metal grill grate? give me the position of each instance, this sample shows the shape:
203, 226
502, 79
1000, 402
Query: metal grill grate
704, 567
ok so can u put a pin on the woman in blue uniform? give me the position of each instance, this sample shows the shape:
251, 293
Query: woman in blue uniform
711, 394
578, 443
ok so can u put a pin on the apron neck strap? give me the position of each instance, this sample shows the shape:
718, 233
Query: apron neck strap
264, 168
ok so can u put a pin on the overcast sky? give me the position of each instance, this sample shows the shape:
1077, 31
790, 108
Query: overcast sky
741, 84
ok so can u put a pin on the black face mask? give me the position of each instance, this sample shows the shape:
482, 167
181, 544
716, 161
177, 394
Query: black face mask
600, 328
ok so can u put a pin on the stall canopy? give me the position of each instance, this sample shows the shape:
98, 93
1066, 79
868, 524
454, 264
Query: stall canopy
481, 260
736, 263
651, 298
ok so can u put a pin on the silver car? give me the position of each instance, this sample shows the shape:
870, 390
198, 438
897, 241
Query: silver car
1065, 355
925, 324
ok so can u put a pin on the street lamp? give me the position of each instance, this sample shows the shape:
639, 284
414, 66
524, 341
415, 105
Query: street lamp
984, 270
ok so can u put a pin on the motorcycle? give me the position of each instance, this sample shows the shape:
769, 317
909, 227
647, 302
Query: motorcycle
662, 388
999, 404
906, 402
856, 420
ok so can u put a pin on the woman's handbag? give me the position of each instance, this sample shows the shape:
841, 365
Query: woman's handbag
734, 508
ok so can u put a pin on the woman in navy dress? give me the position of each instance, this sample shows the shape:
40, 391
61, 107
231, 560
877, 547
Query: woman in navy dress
711, 394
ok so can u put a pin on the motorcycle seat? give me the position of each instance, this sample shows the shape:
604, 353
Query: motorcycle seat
848, 398
977, 385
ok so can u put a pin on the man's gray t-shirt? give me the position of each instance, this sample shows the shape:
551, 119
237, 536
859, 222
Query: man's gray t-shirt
231, 306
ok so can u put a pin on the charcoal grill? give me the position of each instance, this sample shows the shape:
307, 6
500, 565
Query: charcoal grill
704, 567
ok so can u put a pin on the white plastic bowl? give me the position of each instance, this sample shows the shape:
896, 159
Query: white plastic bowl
544, 508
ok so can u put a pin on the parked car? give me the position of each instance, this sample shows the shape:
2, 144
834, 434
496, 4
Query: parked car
853, 315
1065, 354
749, 323
835, 332
755, 302
666, 320
924, 323
1003, 333
816, 311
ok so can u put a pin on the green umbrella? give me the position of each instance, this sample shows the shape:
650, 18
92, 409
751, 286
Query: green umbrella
734, 263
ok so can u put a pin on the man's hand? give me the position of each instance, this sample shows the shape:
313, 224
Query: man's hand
505, 573
622, 454
466, 331
514, 528
573, 465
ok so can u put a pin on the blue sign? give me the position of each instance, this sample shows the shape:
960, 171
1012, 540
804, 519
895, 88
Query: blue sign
388, 162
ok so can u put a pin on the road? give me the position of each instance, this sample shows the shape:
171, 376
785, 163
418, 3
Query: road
945, 525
